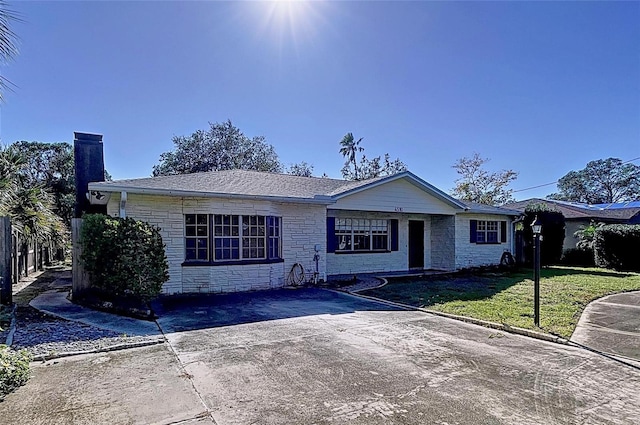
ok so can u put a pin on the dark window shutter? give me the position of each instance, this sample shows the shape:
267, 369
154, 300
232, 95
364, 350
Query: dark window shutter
331, 234
394, 235
473, 231
503, 231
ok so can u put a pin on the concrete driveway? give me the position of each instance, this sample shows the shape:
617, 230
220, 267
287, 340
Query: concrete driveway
612, 325
314, 356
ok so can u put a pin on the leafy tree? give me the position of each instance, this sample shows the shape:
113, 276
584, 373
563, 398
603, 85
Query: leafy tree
478, 185
553, 232
8, 47
602, 181
222, 147
376, 168
366, 168
51, 166
301, 169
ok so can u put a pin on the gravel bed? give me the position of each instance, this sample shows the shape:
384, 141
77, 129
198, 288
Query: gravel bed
59, 336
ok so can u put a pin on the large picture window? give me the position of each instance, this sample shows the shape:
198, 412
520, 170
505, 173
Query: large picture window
233, 237
361, 234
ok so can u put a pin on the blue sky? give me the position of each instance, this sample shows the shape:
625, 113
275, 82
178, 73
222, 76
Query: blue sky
538, 87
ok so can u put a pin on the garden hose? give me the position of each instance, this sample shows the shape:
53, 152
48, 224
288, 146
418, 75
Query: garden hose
296, 275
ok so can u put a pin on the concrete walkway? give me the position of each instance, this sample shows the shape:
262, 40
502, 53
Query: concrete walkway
57, 304
611, 325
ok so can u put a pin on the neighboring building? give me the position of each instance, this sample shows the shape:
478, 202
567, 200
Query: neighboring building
579, 215
238, 230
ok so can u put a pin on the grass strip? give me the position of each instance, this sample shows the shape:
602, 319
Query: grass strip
508, 297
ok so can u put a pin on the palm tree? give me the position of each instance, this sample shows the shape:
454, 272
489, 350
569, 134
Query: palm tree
33, 209
8, 47
349, 149
29, 206
10, 164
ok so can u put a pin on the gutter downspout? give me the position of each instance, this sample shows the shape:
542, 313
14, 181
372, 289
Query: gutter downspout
123, 204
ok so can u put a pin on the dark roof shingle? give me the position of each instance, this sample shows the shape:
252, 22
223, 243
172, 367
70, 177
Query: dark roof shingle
572, 210
239, 182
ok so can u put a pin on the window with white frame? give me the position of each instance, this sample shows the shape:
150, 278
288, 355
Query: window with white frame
361, 234
487, 232
196, 231
233, 237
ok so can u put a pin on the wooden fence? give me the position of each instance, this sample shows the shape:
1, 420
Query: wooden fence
80, 277
21, 256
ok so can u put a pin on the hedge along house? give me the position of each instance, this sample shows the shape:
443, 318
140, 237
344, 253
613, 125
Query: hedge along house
237, 230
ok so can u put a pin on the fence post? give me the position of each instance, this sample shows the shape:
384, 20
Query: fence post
6, 296
80, 277
14, 256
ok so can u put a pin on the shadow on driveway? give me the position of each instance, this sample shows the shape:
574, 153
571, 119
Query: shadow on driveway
184, 313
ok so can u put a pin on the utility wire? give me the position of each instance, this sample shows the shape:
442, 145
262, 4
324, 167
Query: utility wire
555, 182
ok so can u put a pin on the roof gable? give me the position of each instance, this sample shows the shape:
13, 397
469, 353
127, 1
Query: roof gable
402, 192
405, 175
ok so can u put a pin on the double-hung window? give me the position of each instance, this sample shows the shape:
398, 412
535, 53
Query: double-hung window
360, 234
226, 237
488, 232
196, 231
233, 237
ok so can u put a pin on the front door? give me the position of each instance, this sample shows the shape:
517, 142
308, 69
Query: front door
416, 244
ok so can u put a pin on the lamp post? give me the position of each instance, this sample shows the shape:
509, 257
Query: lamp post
537, 230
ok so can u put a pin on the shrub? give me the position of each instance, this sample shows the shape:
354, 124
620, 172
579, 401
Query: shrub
552, 233
616, 246
14, 369
5, 317
585, 235
123, 257
578, 257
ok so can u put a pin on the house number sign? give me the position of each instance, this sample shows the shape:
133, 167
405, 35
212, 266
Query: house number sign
398, 209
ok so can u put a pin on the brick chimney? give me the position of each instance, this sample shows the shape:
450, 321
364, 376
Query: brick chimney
89, 166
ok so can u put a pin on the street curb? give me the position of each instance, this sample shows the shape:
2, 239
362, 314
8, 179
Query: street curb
345, 290
492, 325
119, 347
12, 326
384, 282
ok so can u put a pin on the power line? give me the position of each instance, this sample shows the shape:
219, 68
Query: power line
535, 187
555, 182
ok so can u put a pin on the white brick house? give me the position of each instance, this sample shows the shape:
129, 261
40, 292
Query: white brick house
238, 230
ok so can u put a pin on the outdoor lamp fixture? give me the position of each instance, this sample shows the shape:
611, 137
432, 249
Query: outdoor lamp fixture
536, 227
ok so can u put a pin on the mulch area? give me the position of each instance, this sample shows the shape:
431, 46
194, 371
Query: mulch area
30, 287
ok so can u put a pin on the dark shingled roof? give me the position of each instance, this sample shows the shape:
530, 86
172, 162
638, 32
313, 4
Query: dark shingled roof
245, 183
239, 182
475, 207
572, 210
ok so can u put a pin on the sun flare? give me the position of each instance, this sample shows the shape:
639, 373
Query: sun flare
292, 21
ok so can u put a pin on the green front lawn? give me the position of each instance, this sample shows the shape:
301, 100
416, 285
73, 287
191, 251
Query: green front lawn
508, 297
